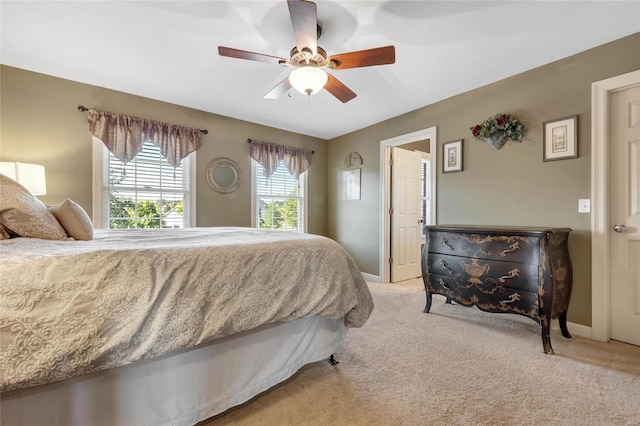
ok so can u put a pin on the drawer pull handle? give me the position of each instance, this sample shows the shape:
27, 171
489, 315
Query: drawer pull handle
513, 247
443, 284
511, 274
445, 266
444, 241
512, 298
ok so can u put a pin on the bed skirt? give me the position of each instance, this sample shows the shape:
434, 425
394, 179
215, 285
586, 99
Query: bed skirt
181, 389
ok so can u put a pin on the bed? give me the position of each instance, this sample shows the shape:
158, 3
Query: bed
167, 326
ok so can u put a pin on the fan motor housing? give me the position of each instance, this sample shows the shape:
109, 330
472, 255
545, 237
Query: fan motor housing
306, 57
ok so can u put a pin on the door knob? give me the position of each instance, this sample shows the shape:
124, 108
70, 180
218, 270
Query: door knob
619, 228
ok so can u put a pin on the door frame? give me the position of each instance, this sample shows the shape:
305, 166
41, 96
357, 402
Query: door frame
385, 179
600, 221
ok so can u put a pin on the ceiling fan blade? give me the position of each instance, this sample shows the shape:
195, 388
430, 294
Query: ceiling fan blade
279, 90
338, 89
252, 56
365, 58
304, 18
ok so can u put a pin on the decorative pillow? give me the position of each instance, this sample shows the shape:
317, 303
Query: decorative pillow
25, 215
74, 219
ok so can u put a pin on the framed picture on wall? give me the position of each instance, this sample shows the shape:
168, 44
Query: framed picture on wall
351, 184
452, 157
560, 139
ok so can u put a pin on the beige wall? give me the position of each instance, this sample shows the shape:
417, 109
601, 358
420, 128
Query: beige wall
512, 186
41, 124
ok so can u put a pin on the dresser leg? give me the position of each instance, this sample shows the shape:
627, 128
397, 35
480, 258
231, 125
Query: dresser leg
546, 338
562, 320
428, 306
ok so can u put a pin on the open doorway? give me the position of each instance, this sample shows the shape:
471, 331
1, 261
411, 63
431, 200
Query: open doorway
428, 135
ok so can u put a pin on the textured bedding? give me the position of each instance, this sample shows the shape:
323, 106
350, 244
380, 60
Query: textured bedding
72, 307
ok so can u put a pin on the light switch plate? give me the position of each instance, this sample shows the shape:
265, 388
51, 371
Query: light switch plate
584, 205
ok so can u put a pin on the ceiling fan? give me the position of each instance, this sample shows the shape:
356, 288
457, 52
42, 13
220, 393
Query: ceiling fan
308, 59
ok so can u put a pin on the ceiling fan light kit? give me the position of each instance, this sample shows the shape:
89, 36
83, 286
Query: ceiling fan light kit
308, 59
308, 79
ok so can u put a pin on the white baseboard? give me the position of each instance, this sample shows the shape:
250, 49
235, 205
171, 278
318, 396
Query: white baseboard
574, 329
372, 278
579, 330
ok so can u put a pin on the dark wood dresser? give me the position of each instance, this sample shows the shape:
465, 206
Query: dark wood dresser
524, 271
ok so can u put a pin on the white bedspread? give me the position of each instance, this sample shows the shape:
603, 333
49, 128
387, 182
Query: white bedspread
73, 307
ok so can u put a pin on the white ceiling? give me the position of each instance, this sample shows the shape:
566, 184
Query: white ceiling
167, 50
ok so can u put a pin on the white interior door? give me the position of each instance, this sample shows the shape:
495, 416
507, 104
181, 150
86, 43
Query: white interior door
625, 215
405, 214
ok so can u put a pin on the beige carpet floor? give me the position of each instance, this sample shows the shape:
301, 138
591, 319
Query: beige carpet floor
453, 366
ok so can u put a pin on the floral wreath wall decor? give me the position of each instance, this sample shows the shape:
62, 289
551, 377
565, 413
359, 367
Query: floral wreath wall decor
497, 130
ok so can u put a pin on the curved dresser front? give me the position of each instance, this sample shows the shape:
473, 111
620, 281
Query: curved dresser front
518, 270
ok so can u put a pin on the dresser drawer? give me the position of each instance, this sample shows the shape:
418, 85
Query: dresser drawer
512, 248
491, 300
485, 273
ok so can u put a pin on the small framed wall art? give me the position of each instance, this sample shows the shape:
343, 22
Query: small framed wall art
452, 157
351, 184
560, 139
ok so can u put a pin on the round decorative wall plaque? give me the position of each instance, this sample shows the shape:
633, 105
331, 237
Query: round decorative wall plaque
353, 159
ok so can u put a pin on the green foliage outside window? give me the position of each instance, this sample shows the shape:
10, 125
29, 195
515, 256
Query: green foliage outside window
281, 214
125, 214
290, 213
272, 216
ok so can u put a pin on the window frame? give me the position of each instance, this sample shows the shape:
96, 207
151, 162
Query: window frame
254, 197
99, 204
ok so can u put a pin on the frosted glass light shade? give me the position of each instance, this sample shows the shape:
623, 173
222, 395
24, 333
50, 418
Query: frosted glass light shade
308, 79
31, 176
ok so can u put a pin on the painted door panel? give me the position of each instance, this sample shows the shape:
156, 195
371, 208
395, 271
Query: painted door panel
405, 217
625, 210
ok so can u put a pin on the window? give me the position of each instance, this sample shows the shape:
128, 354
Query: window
279, 202
147, 192
425, 193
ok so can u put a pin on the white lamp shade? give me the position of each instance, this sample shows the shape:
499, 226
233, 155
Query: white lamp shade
31, 176
308, 79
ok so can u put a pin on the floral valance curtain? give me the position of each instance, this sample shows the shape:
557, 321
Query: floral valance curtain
124, 135
296, 160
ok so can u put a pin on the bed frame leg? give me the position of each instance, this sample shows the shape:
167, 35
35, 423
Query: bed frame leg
333, 361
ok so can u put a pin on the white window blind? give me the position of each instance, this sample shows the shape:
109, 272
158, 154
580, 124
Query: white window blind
425, 196
147, 192
280, 200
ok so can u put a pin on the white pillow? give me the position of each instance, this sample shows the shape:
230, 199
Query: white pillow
74, 219
24, 215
